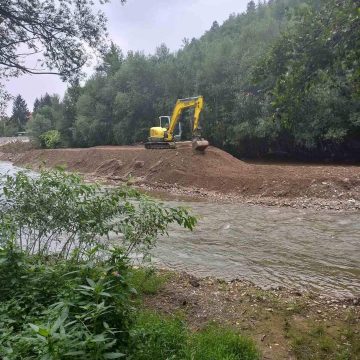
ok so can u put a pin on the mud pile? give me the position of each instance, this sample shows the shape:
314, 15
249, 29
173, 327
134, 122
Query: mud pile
215, 171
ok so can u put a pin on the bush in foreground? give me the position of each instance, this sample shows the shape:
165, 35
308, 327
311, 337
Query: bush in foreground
65, 279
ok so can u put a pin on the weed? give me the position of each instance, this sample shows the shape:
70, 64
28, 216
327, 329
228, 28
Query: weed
315, 343
216, 343
147, 281
159, 337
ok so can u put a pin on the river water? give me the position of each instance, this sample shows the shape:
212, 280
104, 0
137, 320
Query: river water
302, 249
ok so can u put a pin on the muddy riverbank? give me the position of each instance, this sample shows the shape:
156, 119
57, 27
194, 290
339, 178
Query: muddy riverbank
299, 249
285, 324
215, 175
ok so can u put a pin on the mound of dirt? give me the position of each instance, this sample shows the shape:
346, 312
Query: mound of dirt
110, 167
214, 171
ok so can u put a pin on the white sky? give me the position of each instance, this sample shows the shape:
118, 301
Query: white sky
141, 25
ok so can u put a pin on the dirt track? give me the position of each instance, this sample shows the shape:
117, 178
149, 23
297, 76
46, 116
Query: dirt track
215, 174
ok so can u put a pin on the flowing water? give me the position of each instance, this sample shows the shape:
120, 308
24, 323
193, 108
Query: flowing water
271, 247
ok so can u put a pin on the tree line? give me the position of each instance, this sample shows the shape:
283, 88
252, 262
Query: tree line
280, 79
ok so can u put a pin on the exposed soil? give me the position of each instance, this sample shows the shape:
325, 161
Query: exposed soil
214, 174
278, 320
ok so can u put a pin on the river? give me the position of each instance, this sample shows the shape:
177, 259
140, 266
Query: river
269, 246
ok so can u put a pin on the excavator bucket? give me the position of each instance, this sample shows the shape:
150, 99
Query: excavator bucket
200, 144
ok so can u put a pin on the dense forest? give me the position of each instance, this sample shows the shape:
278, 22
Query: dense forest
281, 79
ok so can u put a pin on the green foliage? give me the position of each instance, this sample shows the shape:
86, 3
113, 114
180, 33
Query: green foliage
51, 139
66, 282
48, 116
313, 75
85, 310
146, 281
216, 343
8, 127
281, 78
58, 212
37, 126
316, 343
124, 98
157, 337
63, 32
63, 309
20, 113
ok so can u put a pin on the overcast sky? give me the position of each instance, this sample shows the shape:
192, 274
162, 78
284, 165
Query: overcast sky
141, 25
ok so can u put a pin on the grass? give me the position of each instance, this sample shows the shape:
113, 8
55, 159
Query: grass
147, 281
169, 338
218, 343
315, 342
291, 323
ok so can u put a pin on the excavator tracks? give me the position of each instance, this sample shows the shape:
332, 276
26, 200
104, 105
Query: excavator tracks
160, 145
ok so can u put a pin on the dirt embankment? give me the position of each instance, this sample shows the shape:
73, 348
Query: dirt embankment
214, 174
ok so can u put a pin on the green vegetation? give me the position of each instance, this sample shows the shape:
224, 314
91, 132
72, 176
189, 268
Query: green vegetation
50, 139
282, 78
168, 338
316, 343
68, 288
147, 281
18, 119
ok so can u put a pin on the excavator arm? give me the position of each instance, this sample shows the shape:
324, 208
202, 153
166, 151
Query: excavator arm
180, 106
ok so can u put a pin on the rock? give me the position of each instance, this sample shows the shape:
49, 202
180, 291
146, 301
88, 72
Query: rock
139, 164
194, 282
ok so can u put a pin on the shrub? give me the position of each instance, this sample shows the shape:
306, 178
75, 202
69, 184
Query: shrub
64, 309
50, 139
66, 288
57, 213
65, 284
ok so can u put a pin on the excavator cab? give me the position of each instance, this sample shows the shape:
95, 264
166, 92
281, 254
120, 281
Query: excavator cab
164, 137
165, 123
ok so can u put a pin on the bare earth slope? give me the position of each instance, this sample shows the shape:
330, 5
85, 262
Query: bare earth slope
214, 173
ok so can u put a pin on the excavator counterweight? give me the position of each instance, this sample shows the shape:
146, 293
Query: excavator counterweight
163, 137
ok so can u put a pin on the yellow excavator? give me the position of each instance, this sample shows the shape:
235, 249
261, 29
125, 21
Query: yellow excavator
163, 137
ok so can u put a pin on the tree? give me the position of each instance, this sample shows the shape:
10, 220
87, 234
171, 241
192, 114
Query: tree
283, 77
214, 26
57, 32
37, 126
66, 126
20, 113
4, 99
112, 60
251, 7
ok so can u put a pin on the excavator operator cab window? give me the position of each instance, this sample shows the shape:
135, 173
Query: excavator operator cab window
164, 121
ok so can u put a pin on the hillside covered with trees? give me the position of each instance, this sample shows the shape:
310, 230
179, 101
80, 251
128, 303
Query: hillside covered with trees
282, 78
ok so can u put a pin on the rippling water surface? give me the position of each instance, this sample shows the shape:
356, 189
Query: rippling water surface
268, 246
